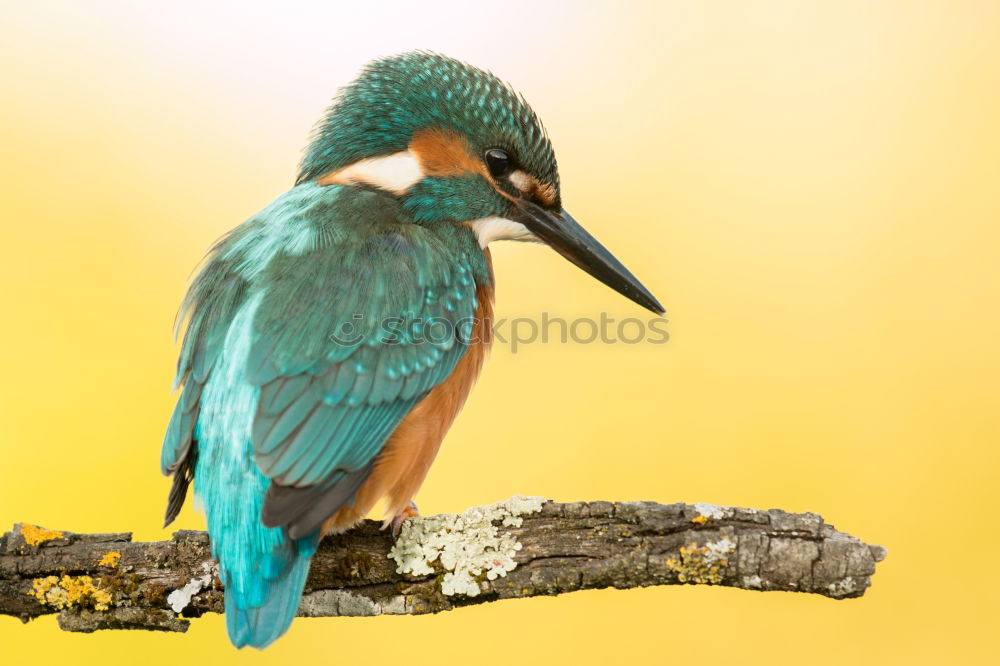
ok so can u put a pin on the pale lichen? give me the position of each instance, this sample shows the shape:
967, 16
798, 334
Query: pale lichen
69, 591
702, 564
35, 535
181, 597
843, 587
325, 603
110, 559
753, 582
708, 512
467, 546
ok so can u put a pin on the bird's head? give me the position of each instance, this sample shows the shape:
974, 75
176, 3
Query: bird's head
456, 144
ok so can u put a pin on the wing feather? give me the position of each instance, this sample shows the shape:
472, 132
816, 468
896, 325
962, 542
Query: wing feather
355, 325
349, 337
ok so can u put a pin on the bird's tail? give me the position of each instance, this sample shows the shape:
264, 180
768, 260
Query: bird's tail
262, 608
262, 569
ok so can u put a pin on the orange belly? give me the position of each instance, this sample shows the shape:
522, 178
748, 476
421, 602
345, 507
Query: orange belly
407, 456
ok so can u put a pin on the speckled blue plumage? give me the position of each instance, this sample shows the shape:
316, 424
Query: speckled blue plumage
392, 98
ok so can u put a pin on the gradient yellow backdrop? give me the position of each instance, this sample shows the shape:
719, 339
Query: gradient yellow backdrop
810, 188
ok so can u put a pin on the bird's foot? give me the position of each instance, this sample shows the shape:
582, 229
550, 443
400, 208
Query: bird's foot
410, 511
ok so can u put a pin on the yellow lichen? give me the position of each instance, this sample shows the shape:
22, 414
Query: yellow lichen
110, 559
701, 520
35, 535
69, 591
701, 564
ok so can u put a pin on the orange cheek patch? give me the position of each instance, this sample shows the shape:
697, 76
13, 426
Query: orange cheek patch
442, 153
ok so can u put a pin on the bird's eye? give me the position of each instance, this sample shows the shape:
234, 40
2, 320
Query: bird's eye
498, 162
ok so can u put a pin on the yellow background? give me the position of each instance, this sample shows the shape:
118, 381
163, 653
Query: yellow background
809, 188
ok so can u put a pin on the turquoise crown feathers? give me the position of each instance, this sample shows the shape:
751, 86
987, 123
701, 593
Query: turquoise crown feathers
394, 97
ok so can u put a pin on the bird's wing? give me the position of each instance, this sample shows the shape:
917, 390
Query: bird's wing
361, 313
209, 307
348, 337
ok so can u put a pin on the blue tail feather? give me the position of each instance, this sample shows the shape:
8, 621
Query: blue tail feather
263, 570
260, 625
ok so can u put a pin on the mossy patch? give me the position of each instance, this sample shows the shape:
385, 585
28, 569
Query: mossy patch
354, 565
123, 588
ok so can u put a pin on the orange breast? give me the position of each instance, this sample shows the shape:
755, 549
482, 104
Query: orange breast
410, 450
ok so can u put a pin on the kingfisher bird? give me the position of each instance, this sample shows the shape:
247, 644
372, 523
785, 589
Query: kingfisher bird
332, 338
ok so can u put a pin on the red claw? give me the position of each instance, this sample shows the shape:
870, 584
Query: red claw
397, 521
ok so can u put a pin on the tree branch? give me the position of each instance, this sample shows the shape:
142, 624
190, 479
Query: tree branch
105, 581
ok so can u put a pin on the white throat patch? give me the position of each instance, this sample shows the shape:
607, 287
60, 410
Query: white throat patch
489, 229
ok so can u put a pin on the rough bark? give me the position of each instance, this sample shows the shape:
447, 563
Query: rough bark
563, 548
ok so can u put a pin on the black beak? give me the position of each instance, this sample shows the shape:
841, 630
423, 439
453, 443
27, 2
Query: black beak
564, 235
